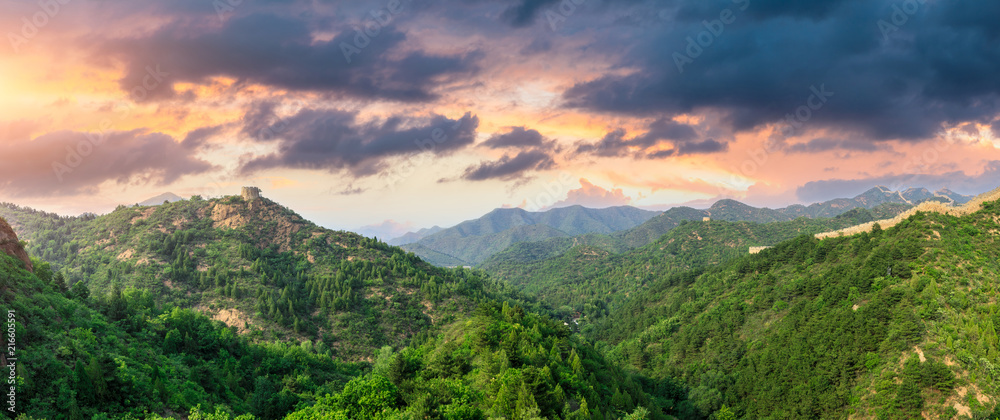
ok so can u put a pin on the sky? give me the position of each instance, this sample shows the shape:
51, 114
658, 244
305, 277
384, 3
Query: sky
403, 114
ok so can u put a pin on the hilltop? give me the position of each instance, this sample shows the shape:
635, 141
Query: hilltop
160, 199
473, 241
258, 267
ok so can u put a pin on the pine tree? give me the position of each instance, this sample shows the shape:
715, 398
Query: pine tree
84, 385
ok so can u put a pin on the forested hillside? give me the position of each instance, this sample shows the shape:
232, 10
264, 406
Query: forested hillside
310, 323
106, 337
586, 280
258, 267
472, 241
899, 323
653, 229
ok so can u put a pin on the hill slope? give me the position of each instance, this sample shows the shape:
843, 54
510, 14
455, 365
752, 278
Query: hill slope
586, 280
473, 241
888, 324
260, 268
123, 354
882, 203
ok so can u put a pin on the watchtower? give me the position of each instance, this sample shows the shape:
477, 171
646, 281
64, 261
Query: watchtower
250, 193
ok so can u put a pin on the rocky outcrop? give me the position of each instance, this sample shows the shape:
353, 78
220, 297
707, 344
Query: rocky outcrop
10, 245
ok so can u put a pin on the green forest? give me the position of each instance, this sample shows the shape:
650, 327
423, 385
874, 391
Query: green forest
233, 309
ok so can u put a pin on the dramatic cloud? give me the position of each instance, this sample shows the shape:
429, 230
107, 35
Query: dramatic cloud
282, 52
660, 133
819, 145
523, 13
333, 140
842, 65
199, 136
516, 137
593, 196
67, 162
509, 168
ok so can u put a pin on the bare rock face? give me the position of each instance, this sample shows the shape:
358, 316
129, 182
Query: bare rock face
12, 246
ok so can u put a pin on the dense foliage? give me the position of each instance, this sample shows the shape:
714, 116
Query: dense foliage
259, 267
503, 362
586, 281
887, 324
84, 355
899, 323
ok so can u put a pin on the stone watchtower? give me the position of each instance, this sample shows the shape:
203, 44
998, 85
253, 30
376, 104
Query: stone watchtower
250, 193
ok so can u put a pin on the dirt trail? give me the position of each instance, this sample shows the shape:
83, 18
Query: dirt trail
930, 206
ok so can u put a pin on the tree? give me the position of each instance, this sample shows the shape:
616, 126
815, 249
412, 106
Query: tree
80, 291
117, 306
59, 283
641, 413
172, 342
84, 385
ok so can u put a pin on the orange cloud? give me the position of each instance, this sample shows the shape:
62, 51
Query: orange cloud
590, 195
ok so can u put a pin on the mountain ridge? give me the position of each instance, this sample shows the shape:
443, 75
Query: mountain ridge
472, 241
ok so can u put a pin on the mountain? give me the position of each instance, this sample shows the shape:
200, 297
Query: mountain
875, 197
411, 237
473, 241
587, 279
883, 203
258, 267
146, 312
165, 197
895, 323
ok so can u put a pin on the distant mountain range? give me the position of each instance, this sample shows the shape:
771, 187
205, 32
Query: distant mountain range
411, 237
155, 201
621, 228
473, 241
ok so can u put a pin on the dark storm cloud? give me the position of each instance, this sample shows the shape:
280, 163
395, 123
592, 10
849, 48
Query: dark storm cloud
701, 147
334, 140
667, 130
523, 12
516, 137
508, 168
68, 162
198, 137
682, 137
956, 181
826, 144
935, 66
814, 9
280, 52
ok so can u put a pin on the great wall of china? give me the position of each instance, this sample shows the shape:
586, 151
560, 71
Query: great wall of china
971, 207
